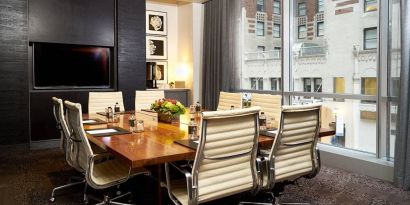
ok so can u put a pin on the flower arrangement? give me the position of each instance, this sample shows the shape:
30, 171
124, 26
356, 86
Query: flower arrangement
168, 106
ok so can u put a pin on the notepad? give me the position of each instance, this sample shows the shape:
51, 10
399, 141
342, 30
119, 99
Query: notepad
101, 131
88, 121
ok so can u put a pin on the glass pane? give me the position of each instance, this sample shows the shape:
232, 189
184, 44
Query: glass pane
302, 9
355, 125
394, 80
260, 30
370, 5
339, 85
329, 45
261, 5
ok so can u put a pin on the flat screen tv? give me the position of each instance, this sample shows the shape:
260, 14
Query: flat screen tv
62, 66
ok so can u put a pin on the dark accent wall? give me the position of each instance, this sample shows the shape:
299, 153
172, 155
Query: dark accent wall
14, 98
89, 22
27, 112
131, 56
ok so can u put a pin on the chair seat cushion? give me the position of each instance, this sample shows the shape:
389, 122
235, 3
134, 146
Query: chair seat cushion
112, 171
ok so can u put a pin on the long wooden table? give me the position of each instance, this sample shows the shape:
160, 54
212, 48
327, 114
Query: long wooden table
156, 144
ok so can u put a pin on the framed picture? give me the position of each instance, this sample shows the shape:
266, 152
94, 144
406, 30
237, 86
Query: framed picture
160, 72
157, 47
156, 22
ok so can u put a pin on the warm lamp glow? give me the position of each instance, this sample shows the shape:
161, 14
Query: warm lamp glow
181, 71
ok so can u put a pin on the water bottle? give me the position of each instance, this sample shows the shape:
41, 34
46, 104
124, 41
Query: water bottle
198, 107
131, 122
192, 129
116, 107
262, 121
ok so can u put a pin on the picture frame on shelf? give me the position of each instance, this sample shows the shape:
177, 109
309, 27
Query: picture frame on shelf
156, 48
156, 22
161, 72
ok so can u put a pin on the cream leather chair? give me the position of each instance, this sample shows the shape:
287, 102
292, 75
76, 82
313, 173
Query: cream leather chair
225, 161
98, 101
99, 174
271, 105
144, 99
226, 100
66, 144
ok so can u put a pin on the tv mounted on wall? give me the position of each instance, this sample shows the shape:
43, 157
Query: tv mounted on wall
63, 66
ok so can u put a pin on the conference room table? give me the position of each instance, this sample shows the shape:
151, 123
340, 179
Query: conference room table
155, 145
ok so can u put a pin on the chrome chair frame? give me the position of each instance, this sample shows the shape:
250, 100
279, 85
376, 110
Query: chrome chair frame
191, 176
65, 143
269, 161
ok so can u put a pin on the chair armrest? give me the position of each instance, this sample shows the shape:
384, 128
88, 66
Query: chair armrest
191, 189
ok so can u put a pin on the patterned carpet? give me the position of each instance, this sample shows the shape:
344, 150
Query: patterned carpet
27, 177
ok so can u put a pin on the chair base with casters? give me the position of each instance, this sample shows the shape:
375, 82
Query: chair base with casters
65, 186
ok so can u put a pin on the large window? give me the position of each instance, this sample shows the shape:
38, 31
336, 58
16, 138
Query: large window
370, 5
256, 83
302, 9
260, 5
320, 6
260, 28
276, 7
276, 30
320, 28
302, 32
275, 84
370, 38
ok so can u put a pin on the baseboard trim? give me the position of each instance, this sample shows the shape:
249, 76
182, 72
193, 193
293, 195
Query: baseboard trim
44, 144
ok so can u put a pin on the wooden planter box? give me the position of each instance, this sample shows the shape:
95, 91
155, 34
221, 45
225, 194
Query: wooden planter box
167, 118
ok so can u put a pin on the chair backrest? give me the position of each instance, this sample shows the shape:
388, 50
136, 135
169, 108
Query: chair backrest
271, 105
144, 99
226, 100
66, 143
81, 147
225, 161
294, 153
98, 101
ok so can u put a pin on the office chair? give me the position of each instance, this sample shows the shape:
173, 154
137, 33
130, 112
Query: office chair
294, 153
271, 105
144, 99
98, 101
66, 144
98, 174
225, 161
226, 100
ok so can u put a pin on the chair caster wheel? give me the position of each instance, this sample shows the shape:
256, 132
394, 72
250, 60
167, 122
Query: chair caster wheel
52, 200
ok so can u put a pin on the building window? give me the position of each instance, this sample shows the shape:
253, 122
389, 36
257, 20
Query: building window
276, 30
339, 85
302, 9
302, 32
315, 83
277, 52
369, 87
260, 28
260, 5
370, 5
276, 7
370, 38
275, 84
256, 83
320, 6
261, 48
320, 28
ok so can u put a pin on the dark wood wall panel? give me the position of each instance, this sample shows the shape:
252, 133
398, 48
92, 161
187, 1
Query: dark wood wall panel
42, 120
89, 22
14, 100
131, 49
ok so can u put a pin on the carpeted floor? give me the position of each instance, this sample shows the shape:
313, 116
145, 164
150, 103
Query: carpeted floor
27, 177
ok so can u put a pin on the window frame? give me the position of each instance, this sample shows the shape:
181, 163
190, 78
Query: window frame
260, 5
304, 8
276, 33
318, 6
317, 28
258, 29
299, 32
365, 4
279, 7
365, 39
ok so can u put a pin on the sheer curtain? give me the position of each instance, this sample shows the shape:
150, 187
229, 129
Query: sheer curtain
221, 55
402, 149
